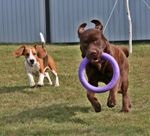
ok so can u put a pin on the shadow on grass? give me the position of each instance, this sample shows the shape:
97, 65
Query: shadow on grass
22, 89
58, 113
9, 89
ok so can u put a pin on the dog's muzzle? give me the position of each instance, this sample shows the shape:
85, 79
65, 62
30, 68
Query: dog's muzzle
94, 58
31, 61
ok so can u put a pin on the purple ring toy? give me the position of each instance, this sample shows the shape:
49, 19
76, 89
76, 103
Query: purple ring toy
110, 85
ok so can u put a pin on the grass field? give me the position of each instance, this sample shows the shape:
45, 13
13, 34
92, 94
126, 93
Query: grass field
65, 110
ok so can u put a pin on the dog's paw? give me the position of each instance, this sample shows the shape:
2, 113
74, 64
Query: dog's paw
111, 104
97, 107
40, 84
56, 85
32, 86
50, 83
124, 110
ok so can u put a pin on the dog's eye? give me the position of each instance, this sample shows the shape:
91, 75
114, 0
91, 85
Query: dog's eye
96, 42
27, 55
34, 54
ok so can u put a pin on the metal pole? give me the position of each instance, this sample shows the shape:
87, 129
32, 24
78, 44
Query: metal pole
130, 26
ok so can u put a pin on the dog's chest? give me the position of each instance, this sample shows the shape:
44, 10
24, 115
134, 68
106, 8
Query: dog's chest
102, 75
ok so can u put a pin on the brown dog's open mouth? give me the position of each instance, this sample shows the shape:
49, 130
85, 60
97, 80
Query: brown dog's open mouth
95, 60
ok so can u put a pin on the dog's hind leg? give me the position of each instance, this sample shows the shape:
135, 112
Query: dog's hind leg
56, 78
48, 77
125, 98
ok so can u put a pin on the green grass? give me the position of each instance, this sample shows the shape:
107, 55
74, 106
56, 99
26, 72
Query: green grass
65, 110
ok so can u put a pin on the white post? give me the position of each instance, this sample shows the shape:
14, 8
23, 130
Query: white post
130, 26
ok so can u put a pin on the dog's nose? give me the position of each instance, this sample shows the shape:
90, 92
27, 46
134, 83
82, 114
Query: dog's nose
32, 61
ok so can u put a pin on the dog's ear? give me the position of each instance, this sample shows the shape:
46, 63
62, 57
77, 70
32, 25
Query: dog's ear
81, 29
82, 52
107, 47
98, 24
41, 52
19, 52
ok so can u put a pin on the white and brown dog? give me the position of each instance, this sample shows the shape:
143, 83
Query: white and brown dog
37, 61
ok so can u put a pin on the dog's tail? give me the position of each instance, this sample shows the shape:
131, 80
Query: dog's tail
125, 50
42, 39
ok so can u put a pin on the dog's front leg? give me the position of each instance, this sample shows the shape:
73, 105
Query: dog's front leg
111, 101
92, 98
96, 105
31, 79
29, 74
41, 79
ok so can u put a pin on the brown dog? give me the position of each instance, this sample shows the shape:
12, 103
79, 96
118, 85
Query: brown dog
92, 44
37, 61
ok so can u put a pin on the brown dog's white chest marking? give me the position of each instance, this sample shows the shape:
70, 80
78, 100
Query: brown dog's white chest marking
34, 63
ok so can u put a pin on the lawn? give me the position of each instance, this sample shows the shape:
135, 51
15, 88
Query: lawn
65, 110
